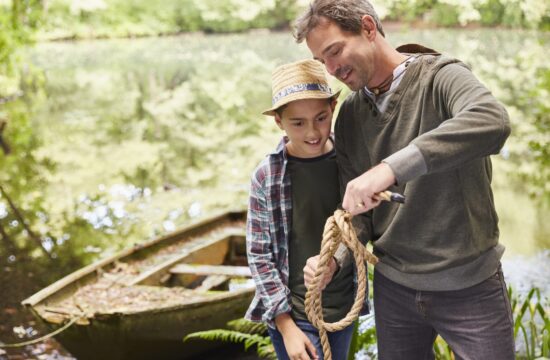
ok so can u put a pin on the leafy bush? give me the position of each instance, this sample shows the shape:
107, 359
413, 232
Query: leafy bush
119, 18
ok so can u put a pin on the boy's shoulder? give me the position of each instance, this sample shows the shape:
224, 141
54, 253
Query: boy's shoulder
271, 164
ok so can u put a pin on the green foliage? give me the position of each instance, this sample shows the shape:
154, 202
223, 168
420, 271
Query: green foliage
531, 322
365, 335
523, 83
120, 18
442, 350
247, 327
510, 13
443, 14
18, 22
241, 331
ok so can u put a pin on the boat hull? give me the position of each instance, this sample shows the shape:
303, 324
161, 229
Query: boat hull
155, 335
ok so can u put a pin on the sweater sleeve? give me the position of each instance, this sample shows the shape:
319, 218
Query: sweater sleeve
474, 125
269, 285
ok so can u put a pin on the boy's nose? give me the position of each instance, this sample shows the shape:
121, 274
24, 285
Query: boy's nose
312, 131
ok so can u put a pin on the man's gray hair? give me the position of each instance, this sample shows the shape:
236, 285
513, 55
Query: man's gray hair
347, 14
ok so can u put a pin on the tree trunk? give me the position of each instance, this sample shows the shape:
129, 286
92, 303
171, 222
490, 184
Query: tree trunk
3, 143
8, 242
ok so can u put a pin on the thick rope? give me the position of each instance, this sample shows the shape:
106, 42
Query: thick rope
338, 229
40, 339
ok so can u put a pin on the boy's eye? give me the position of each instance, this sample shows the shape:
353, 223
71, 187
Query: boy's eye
322, 118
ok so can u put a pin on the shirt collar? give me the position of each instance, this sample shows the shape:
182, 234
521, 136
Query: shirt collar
397, 75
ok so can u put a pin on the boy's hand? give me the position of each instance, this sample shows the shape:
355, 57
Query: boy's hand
311, 267
297, 344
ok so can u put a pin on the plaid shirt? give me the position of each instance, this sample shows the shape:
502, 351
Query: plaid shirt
267, 234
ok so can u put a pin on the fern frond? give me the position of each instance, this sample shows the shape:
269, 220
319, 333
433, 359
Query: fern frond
246, 326
213, 335
229, 336
267, 352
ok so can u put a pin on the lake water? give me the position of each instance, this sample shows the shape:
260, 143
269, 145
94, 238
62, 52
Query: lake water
136, 137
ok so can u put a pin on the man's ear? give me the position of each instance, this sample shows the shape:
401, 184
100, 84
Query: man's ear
368, 25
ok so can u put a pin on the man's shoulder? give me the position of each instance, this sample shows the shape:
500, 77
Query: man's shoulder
434, 63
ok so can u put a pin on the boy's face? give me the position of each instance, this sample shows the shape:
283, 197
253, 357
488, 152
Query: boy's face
307, 124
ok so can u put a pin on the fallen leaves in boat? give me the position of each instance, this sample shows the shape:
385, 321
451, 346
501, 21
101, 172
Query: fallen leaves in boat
109, 294
98, 299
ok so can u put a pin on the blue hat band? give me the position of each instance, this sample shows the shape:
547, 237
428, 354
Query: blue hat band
299, 88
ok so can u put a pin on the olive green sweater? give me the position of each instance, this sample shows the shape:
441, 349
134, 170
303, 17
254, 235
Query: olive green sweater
439, 129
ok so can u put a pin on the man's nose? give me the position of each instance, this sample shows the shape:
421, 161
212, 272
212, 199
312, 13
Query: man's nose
331, 68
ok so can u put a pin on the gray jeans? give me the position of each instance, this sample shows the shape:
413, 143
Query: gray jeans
476, 322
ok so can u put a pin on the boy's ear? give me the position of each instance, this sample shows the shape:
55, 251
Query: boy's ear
333, 104
278, 121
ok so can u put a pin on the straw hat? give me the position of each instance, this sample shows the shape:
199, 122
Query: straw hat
305, 79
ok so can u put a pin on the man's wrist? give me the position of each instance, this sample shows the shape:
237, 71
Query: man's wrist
386, 175
407, 164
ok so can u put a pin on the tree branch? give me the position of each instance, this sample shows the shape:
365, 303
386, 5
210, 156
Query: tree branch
19, 217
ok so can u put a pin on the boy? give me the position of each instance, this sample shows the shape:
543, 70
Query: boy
293, 191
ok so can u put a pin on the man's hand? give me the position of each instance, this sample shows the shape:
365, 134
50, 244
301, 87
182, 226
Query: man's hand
361, 192
297, 344
311, 267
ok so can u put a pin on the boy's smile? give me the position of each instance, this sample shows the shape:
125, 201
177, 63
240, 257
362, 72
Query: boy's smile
307, 124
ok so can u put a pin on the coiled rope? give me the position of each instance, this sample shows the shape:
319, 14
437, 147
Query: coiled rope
338, 229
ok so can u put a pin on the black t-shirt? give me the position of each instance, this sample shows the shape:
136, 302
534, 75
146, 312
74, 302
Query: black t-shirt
315, 197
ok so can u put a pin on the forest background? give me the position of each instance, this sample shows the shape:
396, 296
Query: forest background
107, 138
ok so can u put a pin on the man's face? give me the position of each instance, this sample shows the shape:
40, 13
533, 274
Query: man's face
347, 56
307, 124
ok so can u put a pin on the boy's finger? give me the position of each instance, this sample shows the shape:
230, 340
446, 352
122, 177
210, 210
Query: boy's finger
311, 349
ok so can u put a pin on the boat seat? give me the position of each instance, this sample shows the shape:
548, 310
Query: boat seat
197, 269
211, 281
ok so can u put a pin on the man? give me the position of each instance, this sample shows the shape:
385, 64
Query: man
421, 124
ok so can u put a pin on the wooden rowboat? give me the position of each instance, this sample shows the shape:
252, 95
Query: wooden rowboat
142, 302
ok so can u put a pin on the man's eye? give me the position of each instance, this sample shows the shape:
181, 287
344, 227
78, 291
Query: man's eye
323, 118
